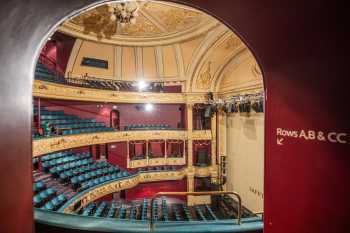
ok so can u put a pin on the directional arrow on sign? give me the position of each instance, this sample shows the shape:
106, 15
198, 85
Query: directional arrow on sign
280, 141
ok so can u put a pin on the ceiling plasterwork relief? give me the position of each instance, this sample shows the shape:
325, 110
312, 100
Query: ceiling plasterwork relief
96, 21
174, 18
201, 54
233, 55
205, 78
232, 42
255, 69
213, 60
241, 74
157, 22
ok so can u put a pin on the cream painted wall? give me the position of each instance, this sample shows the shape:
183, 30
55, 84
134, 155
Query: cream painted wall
243, 134
131, 63
93, 50
167, 62
245, 158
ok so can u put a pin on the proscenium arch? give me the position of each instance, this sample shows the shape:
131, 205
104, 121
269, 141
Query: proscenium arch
16, 89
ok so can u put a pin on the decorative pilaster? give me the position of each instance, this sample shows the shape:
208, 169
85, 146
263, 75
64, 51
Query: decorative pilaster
213, 140
190, 186
127, 154
165, 149
118, 62
189, 134
222, 146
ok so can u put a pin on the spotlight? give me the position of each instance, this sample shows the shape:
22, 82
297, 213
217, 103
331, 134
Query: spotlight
115, 107
141, 85
149, 107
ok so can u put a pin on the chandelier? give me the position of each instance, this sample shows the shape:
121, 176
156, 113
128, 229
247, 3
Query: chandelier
123, 13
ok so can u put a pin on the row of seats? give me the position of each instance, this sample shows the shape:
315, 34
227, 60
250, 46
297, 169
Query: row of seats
155, 211
55, 155
64, 176
87, 130
48, 117
40, 198
144, 209
79, 171
80, 125
44, 74
111, 211
133, 211
88, 209
44, 112
147, 127
200, 213
102, 179
58, 123
67, 121
98, 176
66, 170
187, 212
55, 203
69, 158
139, 210
38, 186
100, 209
122, 212
177, 213
165, 213
211, 212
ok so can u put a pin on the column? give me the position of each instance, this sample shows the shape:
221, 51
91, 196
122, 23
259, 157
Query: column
165, 149
128, 154
190, 188
213, 140
221, 143
189, 135
184, 149
147, 152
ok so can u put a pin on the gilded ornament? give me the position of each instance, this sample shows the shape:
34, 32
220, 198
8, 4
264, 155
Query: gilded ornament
205, 78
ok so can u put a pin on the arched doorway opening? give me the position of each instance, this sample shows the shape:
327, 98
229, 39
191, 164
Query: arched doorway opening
197, 71
114, 119
208, 71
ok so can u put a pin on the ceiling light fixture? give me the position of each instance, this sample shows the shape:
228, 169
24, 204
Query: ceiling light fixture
123, 13
149, 107
141, 85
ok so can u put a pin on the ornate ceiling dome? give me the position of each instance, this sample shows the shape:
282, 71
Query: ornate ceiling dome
155, 22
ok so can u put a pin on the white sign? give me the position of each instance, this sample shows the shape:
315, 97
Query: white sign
312, 135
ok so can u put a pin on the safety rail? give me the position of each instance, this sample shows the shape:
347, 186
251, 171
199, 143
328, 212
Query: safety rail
86, 81
211, 193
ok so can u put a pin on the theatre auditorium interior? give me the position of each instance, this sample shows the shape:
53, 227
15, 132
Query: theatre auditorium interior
149, 116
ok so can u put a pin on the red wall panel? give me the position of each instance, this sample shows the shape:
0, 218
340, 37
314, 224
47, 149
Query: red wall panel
150, 189
56, 52
117, 154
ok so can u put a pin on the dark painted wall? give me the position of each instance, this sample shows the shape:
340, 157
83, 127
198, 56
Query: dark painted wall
302, 47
